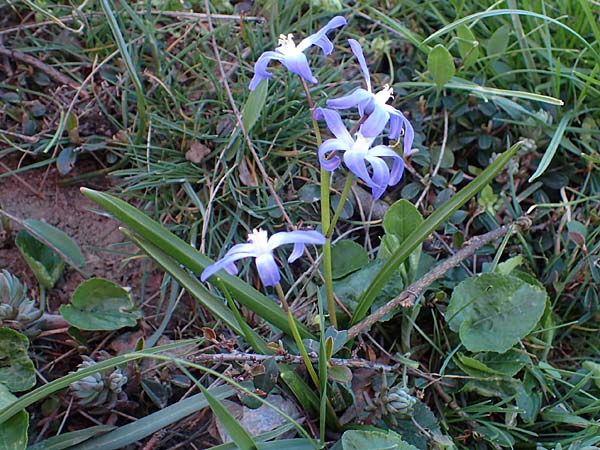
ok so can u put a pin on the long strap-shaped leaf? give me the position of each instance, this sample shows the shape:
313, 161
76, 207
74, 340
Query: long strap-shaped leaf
429, 226
191, 258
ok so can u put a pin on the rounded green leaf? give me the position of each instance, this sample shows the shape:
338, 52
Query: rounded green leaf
440, 65
402, 219
13, 432
17, 372
374, 440
45, 264
99, 304
58, 240
346, 257
468, 46
492, 311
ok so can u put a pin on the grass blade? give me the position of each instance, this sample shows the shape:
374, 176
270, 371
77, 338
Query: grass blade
552, 146
429, 226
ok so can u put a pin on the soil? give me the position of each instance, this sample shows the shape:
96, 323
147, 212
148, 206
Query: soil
37, 194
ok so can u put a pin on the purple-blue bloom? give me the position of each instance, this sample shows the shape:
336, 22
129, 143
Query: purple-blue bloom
375, 106
260, 247
291, 55
357, 153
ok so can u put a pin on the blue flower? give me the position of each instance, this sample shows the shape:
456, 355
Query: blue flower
260, 247
375, 106
357, 153
291, 55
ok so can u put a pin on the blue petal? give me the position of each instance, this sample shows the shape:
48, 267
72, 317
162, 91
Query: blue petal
355, 162
357, 50
260, 68
397, 122
334, 123
236, 252
398, 165
381, 176
320, 38
267, 269
331, 145
298, 64
297, 252
296, 237
375, 123
359, 97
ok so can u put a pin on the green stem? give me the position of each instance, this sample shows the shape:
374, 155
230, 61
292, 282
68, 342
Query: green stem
296, 335
42, 299
340, 206
325, 215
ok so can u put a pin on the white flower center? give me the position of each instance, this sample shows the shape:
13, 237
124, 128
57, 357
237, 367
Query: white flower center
287, 46
362, 143
384, 95
260, 239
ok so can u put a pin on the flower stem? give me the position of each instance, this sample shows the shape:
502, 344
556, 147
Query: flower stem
296, 335
325, 215
340, 206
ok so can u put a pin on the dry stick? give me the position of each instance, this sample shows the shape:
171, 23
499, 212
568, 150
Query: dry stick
39, 65
410, 294
223, 358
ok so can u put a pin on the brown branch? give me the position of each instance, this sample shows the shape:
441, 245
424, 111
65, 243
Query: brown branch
409, 295
222, 358
39, 65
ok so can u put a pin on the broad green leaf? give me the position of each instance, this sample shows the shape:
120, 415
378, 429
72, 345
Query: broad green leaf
401, 219
341, 374
237, 432
483, 310
45, 264
497, 43
57, 239
374, 440
468, 46
507, 364
416, 238
552, 146
17, 372
509, 265
188, 256
255, 104
99, 304
440, 65
70, 439
13, 432
346, 257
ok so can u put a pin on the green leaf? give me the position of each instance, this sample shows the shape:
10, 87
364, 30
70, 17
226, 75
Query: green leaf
416, 238
58, 240
401, 219
374, 440
191, 258
341, 374
255, 104
468, 46
45, 264
238, 434
68, 440
552, 146
17, 372
13, 432
99, 304
483, 310
509, 265
440, 65
346, 257
498, 42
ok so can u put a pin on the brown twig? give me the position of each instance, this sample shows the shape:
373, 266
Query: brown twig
410, 294
39, 65
222, 358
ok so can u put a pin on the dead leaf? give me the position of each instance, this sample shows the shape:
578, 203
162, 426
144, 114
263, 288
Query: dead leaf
197, 152
246, 177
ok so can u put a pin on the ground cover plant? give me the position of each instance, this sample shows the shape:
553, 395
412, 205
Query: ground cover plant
342, 225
